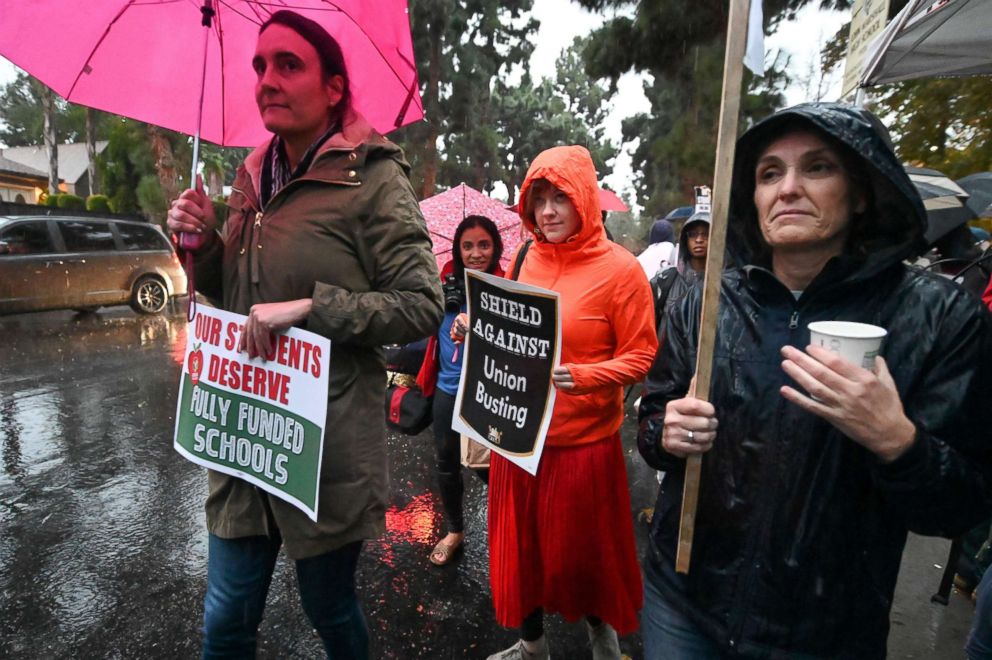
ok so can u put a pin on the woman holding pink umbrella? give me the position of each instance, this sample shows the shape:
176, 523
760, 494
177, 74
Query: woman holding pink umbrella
325, 234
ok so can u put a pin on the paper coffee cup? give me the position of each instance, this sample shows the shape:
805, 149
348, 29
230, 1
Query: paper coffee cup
855, 342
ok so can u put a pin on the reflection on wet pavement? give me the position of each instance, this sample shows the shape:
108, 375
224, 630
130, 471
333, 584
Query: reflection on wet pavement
102, 537
413, 523
93, 506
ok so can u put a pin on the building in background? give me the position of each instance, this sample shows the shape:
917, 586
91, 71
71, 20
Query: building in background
20, 183
72, 165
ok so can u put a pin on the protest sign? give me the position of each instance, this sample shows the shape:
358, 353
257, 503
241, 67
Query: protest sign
259, 420
505, 395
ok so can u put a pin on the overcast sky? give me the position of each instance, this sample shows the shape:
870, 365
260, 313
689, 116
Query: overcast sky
563, 20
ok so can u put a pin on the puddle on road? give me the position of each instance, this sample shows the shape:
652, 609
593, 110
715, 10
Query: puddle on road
30, 435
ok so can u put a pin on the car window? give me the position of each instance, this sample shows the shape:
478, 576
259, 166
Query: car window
27, 238
136, 237
81, 236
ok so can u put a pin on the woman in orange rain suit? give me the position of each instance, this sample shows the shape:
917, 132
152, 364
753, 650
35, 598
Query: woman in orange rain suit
563, 540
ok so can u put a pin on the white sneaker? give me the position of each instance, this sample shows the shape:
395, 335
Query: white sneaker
605, 645
518, 652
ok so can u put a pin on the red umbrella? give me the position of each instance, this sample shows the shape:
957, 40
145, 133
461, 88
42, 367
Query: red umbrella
446, 210
609, 201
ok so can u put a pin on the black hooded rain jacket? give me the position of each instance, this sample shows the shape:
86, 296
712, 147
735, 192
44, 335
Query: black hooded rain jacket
799, 530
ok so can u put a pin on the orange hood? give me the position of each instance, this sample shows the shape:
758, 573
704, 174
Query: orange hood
608, 337
570, 169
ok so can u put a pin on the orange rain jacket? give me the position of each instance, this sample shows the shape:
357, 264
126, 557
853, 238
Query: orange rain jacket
608, 334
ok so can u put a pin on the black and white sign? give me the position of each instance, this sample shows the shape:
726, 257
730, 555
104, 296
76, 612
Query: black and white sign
505, 396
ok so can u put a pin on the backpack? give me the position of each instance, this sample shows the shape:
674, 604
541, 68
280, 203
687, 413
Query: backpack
661, 286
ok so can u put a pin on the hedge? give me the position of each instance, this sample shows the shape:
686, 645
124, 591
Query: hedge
98, 204
67, 201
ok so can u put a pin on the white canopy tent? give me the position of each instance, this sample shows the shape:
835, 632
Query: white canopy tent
928, 38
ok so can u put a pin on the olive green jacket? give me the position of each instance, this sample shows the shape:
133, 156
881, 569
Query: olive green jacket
348, 234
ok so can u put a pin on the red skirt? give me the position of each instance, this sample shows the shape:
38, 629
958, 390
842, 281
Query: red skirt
564, 540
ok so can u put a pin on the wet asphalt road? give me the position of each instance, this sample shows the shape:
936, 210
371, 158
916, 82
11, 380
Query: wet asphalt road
102, 541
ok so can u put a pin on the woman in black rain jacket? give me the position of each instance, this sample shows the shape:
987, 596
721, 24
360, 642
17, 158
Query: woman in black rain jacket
805, 503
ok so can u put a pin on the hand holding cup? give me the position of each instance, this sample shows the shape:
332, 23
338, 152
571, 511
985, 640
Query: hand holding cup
861, 403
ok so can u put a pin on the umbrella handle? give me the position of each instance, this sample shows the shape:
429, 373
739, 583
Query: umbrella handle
195, 241
192, 242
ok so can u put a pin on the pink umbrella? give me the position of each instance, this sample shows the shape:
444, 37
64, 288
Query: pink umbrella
144, 59
446, 210
186, 66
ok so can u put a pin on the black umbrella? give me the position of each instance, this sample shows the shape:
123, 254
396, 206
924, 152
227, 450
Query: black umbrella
944, 201
979, 187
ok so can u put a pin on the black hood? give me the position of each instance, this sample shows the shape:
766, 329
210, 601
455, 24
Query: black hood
683, 256
892, 227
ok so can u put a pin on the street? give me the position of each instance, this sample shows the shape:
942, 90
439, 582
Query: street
103, 545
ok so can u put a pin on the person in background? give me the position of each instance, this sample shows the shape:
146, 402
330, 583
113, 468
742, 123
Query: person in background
477, 246
814, 469
670, 285
325, 234
563, 541
658, 255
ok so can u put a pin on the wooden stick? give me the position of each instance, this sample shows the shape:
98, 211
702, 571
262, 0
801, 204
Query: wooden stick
733, 72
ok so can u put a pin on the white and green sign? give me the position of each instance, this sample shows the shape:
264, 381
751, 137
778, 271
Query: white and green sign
259, 420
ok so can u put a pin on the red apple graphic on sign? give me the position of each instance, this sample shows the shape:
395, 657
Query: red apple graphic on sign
194, 364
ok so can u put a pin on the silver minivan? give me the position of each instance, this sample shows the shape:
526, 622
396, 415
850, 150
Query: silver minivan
85, 263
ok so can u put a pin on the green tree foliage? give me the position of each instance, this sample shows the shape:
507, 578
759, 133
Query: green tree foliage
214, 168
479, 128
676, 142
942, 123
23, 118
152, 199
462, 48
682, 47
569, 109
123, 163
132, 171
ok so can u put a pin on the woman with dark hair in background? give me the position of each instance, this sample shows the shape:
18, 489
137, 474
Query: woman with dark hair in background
477, 246
325, 234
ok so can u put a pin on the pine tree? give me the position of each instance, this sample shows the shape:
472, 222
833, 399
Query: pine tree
681, 46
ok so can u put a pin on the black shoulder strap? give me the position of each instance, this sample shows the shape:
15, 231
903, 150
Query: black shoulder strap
520, 259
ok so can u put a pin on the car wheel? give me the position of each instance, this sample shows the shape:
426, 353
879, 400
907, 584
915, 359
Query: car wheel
149, 296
